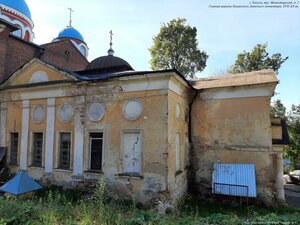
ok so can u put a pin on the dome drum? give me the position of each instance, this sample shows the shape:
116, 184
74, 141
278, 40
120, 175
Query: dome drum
17, 5
17, 12
75, 37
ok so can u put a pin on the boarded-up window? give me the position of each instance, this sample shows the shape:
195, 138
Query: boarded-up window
132, 153
64, 150
37, 149
96, 147
14, 144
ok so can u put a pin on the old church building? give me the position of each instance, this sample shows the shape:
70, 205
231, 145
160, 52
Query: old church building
150, 134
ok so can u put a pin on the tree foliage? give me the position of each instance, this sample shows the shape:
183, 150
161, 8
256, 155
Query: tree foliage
257, 59
293, 124
176, 47
278, 109
293, 150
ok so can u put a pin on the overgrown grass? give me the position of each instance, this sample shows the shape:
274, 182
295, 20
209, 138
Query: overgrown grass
55, 206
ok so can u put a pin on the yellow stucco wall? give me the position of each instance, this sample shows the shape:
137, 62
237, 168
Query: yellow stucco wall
13, 123
177, 177
36, 127
152, 124
229, 130
62, 127
156, 120
232, 130
24, 77
233, 122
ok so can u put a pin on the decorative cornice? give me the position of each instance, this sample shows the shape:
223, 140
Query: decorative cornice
17, 13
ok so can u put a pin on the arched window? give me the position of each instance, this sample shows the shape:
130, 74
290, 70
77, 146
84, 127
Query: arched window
27, 36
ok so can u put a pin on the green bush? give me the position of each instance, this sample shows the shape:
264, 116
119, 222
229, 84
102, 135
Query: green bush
57, 207
17, 212
222, 219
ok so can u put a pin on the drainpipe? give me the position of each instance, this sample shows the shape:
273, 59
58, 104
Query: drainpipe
190, 116
190, 176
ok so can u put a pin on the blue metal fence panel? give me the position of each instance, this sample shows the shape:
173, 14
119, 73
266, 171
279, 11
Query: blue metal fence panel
234, 179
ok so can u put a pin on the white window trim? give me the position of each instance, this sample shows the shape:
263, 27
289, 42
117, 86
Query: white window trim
89, 149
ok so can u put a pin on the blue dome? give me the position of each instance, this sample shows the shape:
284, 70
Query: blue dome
19, 5
70, 32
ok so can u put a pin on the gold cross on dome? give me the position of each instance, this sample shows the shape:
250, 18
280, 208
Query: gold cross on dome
70, 20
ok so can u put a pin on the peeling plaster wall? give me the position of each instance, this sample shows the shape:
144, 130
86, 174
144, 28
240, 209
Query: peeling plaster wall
158, 117
202, 164
239, 122
153, 125
178, 108
233, 129
229, 125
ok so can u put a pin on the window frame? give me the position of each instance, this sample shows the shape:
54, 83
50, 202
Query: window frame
17, 150
58, 150
32, 153
90, 152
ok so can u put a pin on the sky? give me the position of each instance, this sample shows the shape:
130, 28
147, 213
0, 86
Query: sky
222, 32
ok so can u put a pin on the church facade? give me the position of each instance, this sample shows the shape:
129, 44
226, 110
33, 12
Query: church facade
150, 134
72, 131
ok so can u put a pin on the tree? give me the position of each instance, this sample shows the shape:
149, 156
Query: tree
293, 150
257, 59
293, 125
278, 109
176, 47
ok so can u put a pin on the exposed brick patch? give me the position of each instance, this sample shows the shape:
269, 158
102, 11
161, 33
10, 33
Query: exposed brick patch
14, 53
64, 54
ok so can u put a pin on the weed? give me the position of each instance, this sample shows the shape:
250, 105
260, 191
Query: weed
58, 207
17, 211
101, 193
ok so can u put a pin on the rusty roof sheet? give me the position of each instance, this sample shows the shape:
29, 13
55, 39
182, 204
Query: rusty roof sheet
239, 79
